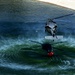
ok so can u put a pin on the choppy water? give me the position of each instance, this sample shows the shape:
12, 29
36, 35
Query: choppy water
20, 56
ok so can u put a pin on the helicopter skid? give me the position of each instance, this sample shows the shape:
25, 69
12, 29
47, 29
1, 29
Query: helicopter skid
54, 38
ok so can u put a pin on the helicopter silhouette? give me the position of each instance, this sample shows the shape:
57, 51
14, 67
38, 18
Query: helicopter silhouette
51, 25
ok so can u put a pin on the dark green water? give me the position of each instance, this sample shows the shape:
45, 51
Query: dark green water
23, 57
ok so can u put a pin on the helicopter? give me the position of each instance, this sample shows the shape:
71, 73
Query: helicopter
51, 27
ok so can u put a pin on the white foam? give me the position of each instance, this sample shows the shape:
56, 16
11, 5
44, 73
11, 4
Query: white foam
70, 41
67, 41
8, 43
18, 66
21, 67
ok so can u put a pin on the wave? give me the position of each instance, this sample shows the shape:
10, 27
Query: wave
22, 53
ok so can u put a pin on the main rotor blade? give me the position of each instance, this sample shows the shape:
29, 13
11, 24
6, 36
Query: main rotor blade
62, 16
35, 42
